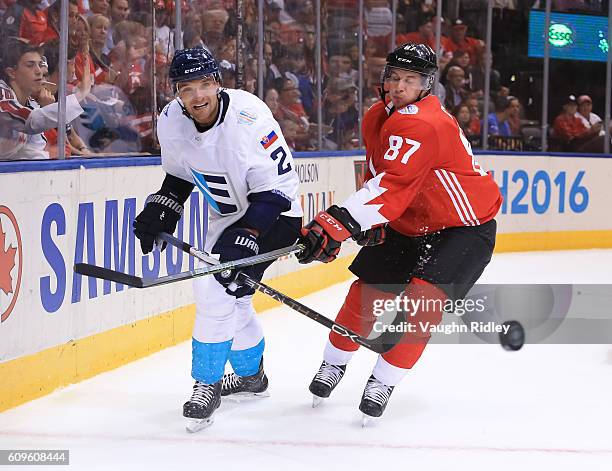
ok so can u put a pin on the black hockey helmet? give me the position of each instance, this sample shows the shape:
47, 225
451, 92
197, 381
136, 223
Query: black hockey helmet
418, 58
193, 63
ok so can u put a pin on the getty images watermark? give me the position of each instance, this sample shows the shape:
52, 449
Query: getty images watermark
420, 314
549, 313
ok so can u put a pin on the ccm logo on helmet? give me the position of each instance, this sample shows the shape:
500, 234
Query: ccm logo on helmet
403, 59
195, 69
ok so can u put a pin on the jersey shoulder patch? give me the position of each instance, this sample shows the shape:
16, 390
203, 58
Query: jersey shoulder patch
246, 117
410, 109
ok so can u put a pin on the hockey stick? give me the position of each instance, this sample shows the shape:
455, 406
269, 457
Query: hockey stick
215, 266
374, 345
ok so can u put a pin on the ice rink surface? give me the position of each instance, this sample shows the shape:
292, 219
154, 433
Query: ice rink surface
463, 407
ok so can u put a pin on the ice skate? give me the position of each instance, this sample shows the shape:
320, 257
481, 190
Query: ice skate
200, 408
374, 400
237, 387
324, 382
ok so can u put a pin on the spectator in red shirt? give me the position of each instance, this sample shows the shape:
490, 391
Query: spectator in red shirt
464, 117
460, 40
26, 20
473, 105
572, 132
426, 34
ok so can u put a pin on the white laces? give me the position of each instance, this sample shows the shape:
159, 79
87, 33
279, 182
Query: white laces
377, 392
230, 381
329, 374
203, 393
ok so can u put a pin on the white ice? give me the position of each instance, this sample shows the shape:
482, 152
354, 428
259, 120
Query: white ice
463, 407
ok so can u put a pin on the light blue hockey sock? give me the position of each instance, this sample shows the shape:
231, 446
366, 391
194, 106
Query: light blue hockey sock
246, 362
208, 360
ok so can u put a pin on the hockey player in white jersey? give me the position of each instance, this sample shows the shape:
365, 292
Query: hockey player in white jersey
227, 144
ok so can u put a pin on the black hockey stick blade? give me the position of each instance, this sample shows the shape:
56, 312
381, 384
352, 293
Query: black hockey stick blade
134, 281
108, 274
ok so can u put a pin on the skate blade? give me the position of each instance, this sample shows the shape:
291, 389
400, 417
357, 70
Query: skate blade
195, 425
368, 420
364, 420
317, 401
242, 396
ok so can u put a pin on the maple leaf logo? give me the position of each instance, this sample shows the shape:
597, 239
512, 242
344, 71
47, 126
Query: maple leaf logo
7, 263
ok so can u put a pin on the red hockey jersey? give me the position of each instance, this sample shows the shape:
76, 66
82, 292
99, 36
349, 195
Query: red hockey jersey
422, 174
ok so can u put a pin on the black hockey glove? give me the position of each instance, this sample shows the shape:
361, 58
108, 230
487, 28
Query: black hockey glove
162, 211
325, 233
373, 236
234, 244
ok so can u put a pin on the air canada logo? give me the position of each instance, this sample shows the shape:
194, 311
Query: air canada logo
11, 262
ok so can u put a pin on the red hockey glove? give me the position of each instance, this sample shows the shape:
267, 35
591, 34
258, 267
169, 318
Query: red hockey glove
325, 233
374, 236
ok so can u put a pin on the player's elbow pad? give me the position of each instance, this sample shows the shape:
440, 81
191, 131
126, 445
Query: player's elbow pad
176, 188
264, 209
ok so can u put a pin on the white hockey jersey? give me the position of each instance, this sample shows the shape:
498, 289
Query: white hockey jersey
21, 127
243, 152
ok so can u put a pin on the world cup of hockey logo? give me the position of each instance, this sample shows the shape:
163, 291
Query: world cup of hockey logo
11, 262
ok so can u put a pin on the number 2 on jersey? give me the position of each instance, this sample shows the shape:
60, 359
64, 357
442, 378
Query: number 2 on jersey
283, 167
396, 143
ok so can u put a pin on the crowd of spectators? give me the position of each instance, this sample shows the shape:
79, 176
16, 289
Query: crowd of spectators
127, 45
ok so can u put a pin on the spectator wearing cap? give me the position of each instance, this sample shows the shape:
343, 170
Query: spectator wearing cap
586, 115
460, 40
296, 63
25, 19
426, 34
571, 131
499, 121
289, 97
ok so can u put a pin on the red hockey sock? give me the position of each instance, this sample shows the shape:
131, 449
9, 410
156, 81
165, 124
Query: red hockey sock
411, 346
356, 313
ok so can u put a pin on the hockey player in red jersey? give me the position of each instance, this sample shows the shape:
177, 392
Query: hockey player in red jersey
424, 216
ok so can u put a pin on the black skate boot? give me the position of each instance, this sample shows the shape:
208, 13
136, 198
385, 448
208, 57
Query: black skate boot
246, 386
199, 410
375, 398
324, 382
